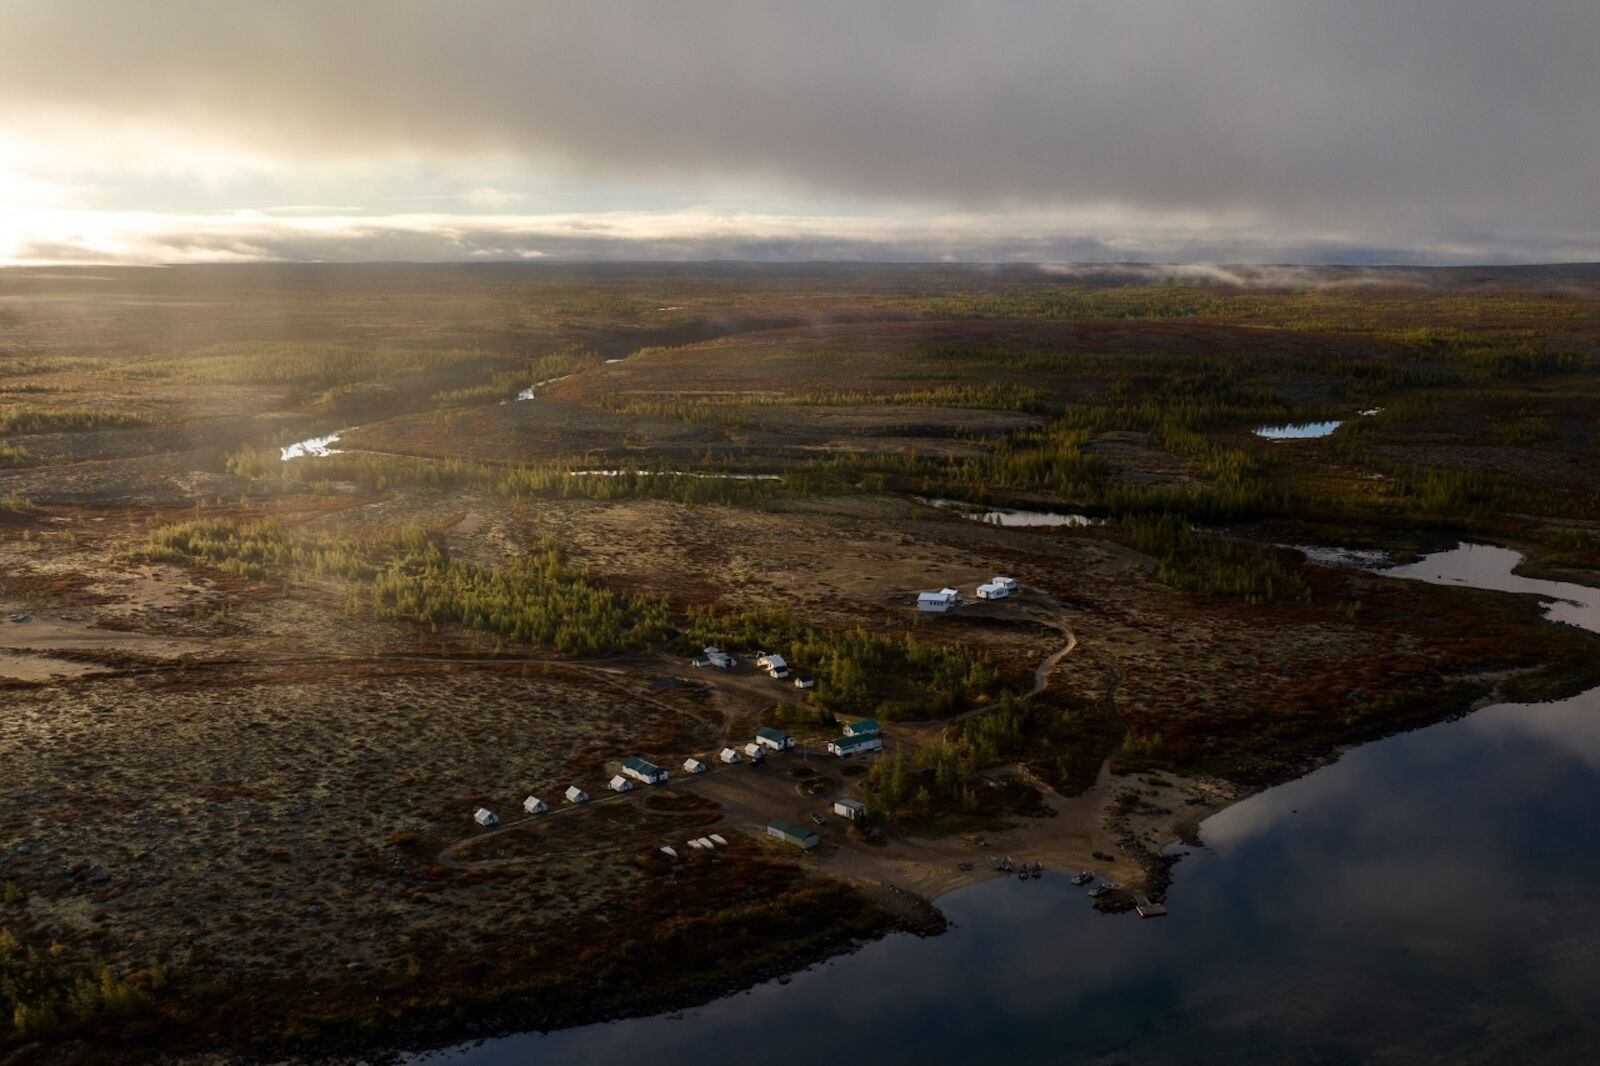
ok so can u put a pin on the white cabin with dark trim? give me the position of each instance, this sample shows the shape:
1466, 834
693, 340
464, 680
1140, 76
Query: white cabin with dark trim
852, 809
643, 770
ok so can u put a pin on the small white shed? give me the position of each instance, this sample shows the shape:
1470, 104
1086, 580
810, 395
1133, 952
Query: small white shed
694, 766
992, 591
485, 817
719, 839
756, 752
620, 784
854, 810
937, 602
729, 755
535, 805
576, 795
669, 851
1007, 583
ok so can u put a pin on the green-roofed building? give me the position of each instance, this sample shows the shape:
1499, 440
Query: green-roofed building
847, 746
789, 833
776, 739
867, 727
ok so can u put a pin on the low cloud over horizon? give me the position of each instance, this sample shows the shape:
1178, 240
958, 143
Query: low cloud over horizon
1438, 131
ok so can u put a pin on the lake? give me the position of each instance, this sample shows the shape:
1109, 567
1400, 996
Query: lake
1430, 897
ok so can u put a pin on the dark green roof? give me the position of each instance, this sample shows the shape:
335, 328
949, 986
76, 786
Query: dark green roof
853, 742
772, 734
862, 728
789, 829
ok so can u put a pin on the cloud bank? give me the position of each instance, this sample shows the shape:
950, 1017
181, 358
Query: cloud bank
1435, 130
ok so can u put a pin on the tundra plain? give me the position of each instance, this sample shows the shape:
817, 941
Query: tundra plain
248, 704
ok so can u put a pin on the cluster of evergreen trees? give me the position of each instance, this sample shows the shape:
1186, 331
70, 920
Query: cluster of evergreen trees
540, 598
25, 418
891, 675
42, 992
508, 383
1199, 561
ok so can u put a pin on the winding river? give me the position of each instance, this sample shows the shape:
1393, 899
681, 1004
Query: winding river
1430, 897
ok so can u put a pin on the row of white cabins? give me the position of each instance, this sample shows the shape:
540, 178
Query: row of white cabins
636, 768
996, 588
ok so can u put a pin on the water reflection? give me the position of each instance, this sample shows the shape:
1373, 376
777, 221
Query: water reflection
1008, 516
318, 446
1435, 897
1298, 430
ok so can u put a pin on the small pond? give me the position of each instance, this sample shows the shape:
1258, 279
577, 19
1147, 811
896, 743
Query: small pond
1010, 516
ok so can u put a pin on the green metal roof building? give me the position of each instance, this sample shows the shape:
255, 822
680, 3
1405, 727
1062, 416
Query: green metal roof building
846, 746
789, 833
867, 727
776, 739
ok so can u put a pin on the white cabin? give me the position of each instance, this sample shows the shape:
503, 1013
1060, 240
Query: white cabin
1007, 583
854, 810
535, 805
729, 755
719, 839
485, 817
669, 851
576, 795
694, 766
938, 602
620, 784
756, 752
992, 591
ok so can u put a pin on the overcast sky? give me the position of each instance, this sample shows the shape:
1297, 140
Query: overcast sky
1183, 130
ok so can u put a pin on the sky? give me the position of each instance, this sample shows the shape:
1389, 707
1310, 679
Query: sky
1282, 131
